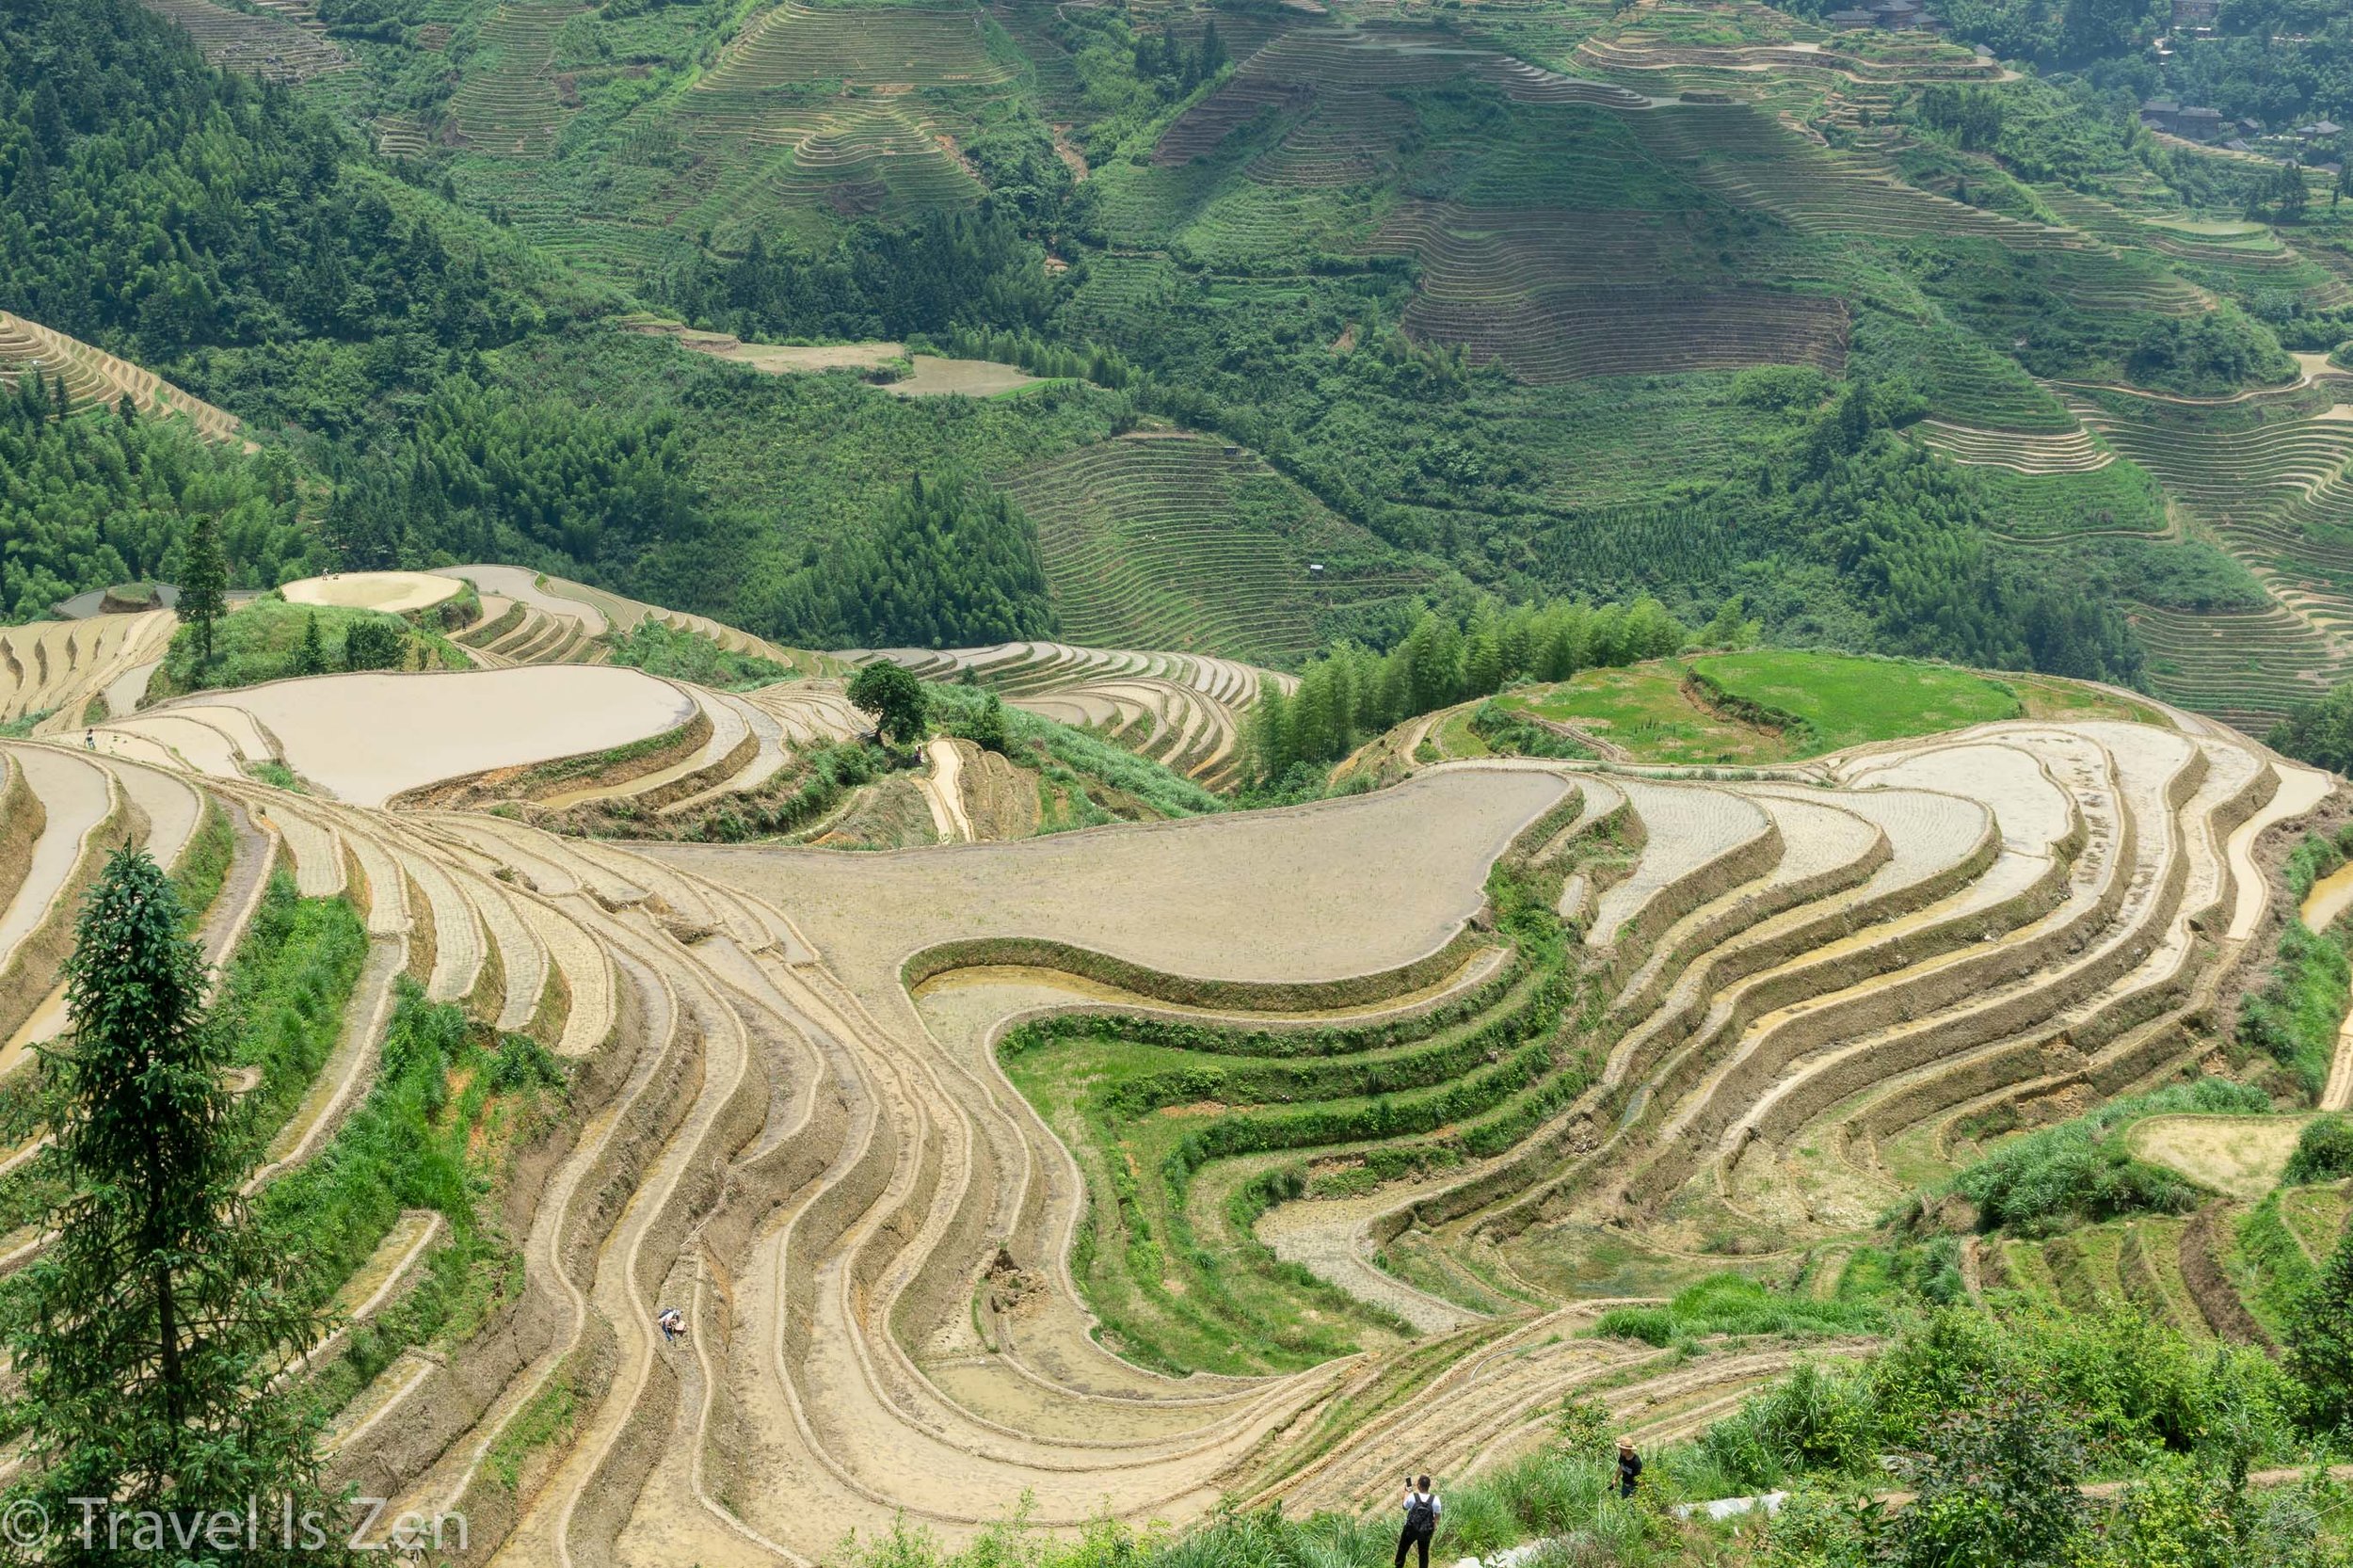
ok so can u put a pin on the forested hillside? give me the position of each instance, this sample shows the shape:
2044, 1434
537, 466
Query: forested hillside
1908, 351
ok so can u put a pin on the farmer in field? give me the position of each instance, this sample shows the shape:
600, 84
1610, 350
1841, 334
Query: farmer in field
1421, 1520
1629, 1467
673, 1323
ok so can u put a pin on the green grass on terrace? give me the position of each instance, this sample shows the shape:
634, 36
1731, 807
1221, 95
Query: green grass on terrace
1848, 701
1658, 713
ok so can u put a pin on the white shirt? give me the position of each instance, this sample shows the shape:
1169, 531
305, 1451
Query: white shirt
1432, 1498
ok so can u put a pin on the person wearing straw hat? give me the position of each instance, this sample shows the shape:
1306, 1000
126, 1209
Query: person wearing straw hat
1629, 1467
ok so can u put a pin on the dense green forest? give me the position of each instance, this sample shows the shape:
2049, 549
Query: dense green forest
950, 567
107, 498
1355, 693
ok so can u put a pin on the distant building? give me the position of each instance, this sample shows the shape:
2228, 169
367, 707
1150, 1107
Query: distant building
2235, 145
1900, 15
2327, 130
2196, 13
1850, 21
2196, 122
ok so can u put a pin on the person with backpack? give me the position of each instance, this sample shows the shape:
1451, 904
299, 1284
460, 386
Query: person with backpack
1421, 1520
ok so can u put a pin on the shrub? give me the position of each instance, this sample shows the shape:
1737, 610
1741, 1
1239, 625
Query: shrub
1819, 1419
1997, 1488
2320, 1342
2133, 1387
2050, 1180
2294, 1019
1518, 735
2060, 1175
986, 728
374, 644
2324, 1152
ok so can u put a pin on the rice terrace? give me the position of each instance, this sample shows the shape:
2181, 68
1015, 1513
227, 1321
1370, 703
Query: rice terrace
1162, 782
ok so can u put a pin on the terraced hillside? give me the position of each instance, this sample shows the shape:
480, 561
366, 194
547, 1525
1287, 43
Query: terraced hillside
93, 377
1183, 711
2265, 476
52, 670
797, 119
2221, 1274
509, 105
1163, 540
1620, 213
283, 44
1381, 1069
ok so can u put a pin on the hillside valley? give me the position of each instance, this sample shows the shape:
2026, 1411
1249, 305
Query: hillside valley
935, 785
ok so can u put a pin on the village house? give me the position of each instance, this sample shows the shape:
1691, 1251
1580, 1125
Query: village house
2195, 122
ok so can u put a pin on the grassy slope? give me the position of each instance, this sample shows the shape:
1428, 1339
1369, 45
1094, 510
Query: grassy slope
260, 641
1660, 715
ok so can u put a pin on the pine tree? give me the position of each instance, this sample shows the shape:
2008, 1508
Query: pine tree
147, 1334
311, 658
1213, 56
203, 585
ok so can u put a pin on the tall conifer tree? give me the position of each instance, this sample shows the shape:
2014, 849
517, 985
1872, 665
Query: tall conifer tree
148, 1334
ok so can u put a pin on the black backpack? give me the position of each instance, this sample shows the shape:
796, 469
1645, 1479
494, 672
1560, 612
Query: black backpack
1422, 1516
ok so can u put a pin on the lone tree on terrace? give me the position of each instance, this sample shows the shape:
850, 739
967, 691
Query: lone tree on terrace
311, 657
146, 1335
204, 587
895, 698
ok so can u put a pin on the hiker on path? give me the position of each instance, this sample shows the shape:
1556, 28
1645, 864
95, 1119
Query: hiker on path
1421, 1520
673, 1323
90, 740
1629, 1467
